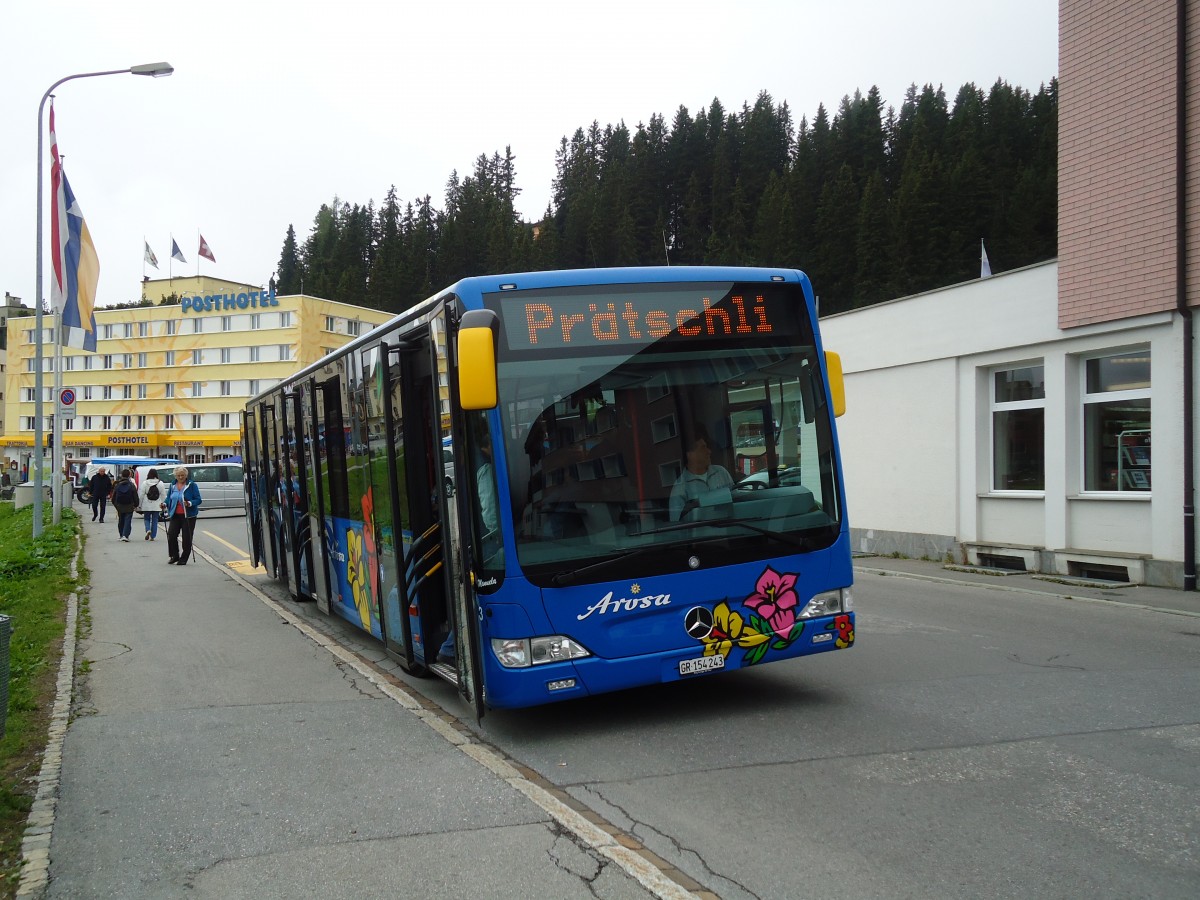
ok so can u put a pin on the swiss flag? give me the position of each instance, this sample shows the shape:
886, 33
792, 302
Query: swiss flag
205, 251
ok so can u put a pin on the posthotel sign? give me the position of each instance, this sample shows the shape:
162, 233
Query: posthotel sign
222, 303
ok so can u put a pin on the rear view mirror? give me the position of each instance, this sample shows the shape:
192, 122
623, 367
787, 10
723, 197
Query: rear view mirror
837, 384
477, 387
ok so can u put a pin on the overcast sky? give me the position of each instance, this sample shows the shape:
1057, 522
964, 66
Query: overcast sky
277, 107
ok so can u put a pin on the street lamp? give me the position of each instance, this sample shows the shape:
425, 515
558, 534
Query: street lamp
155, 70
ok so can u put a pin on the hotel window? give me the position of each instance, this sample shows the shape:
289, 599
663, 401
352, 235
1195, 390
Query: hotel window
87, 392
143, 329
196, 420
87, 363
141, 423
127, 392
126, 423
128, 329
27, 423
226, 323
226, 354
106, 332
285, 352
255, 319
1019, 429
70, 360
225, 423
353, 327
195, 388
142, 392
197, 326
68, 424
1116, 422
254, 354
285, 320
106, 422
169, 390
106, 392
170, 326
87, 423
169, 358
253, 386
197, 357
329, 324
127, 360
141, 360
29, 396
224, 388
169, 421
108, 361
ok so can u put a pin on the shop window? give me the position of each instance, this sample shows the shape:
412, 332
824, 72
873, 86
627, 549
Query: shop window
1116, 422
1018, 401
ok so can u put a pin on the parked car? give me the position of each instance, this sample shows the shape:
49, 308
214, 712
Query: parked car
221, 483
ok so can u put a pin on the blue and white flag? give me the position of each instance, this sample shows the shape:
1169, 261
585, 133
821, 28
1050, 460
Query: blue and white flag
176, 253
75, 263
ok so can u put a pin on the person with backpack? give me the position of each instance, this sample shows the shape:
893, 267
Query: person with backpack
182, 505
101, 486
150, 500
125, 501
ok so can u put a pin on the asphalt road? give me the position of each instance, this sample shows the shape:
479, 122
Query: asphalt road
978, 741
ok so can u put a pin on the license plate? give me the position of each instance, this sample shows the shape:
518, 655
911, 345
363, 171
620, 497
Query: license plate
701, 664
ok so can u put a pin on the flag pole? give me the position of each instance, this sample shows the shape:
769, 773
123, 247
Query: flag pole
56, 454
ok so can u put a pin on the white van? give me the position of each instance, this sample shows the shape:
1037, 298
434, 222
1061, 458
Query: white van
114, 465
221, 484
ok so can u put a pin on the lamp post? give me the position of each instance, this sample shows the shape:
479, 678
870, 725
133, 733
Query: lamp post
154, 70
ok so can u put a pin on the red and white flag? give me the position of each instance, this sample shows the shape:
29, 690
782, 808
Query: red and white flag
205, 251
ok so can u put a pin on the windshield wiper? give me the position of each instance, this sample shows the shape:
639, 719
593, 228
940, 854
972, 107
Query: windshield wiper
799, 543
562, 579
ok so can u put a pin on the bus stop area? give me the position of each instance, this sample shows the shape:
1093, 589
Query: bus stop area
217, 750
222, 744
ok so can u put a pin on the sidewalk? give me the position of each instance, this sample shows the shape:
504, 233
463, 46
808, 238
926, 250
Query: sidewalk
217, 751
1166, 599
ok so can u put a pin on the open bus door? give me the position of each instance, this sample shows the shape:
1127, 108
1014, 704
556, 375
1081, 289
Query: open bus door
460, 569
315, 491
266, 489
252, 462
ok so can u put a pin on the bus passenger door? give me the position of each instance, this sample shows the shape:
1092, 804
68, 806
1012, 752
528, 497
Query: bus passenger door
397, 537
460, 580
312, 483
251, 463
269, 476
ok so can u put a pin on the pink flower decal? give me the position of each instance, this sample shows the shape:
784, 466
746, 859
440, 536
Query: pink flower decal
775, 599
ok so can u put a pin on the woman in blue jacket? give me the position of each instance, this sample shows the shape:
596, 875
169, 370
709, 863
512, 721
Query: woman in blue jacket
182, 504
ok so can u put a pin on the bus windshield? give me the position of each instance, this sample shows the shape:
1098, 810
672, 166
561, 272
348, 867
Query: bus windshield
688, 421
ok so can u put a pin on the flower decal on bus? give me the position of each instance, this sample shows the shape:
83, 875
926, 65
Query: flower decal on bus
775, 600
356, 576
770, 625
845, 631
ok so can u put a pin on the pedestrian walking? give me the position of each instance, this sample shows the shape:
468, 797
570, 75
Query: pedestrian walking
125, 501
150, 502
101, 485
183, 504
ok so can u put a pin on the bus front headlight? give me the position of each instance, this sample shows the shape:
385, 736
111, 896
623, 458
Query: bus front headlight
827, 603
520, 653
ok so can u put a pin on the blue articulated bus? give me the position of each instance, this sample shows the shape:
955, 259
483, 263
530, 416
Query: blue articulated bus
547, 485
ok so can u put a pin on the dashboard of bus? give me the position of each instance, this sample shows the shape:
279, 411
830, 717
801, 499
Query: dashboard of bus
626, 458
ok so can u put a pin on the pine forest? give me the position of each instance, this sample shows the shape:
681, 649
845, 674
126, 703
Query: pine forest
872, 203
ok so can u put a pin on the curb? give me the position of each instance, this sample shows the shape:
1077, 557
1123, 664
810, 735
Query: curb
35, 844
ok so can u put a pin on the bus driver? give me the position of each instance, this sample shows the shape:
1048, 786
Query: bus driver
700, 475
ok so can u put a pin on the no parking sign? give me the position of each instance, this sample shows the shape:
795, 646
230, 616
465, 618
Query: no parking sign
66, 403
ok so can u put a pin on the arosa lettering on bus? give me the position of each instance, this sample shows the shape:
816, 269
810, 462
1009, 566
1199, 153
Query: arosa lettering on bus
226, 302
712, 312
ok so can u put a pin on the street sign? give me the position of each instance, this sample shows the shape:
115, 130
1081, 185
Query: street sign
66, 403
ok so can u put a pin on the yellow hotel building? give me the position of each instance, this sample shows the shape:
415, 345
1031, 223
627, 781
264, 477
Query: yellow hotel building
170, 380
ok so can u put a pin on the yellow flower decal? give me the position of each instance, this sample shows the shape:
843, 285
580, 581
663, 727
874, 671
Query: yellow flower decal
356, 576
729, 628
